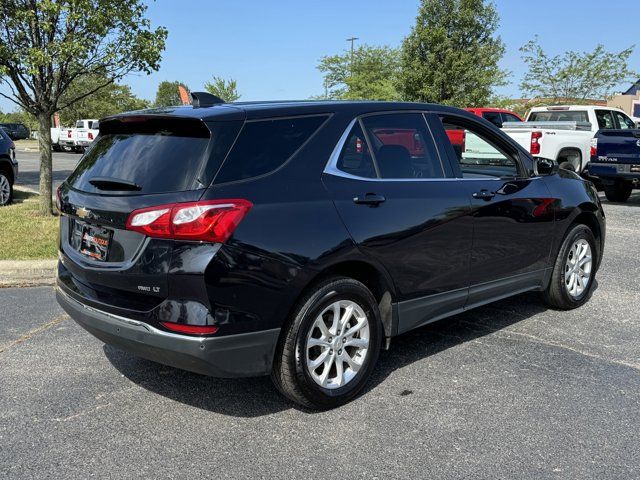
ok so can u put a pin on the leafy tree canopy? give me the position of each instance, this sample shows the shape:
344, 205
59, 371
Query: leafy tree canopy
574, 76
168, 94
48, 45
227, 90
451, 55
370, 74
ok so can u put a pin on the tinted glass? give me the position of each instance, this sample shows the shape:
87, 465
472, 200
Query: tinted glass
355, 158
478, 156
605, 119
265, 145
625, 122
402, 146
493, 117
165, 160
507, 117
560, 116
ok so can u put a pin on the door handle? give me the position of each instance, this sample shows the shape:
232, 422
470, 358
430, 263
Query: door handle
484, 195
372, 199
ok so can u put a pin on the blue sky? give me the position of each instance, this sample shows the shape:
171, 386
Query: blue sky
272, 47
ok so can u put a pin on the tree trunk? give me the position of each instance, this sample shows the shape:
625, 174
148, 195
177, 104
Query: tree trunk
46, 180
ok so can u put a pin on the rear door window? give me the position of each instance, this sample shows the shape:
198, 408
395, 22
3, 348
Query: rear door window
355, 158
402, 146
508, 117
265, 145
493, 117
605, 119
560, 116
158, 155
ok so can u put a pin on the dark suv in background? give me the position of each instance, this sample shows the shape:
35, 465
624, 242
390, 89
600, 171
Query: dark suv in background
16, 131
296, 239
8, 167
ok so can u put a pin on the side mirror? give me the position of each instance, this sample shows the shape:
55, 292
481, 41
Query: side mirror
544, 166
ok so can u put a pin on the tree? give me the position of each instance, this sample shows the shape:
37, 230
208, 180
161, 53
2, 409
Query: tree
451, 55
48, 45
168, 94
112, 99
574, 76
20, 116
227, 90
369, 74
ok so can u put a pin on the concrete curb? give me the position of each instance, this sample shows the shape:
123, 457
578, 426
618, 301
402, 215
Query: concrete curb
27, 273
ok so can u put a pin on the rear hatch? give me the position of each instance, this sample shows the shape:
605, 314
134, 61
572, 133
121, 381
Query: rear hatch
136, 162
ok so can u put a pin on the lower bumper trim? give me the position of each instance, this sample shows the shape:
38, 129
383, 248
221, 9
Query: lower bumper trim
241, 355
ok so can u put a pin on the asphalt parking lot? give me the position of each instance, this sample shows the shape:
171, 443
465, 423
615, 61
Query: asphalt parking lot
510, 390
29, 163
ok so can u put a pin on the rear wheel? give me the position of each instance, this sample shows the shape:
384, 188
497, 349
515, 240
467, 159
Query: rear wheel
574, 270
330, 347
618, 192
570, 160
6, 189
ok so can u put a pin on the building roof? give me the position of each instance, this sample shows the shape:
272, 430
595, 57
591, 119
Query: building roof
634, 89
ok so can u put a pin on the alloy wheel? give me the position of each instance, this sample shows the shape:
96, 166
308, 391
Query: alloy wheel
577, 268
337, 344
5, 189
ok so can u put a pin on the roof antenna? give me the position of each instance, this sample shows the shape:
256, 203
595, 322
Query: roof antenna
204, 99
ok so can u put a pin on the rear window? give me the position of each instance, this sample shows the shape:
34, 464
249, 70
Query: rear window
158, 155
559, 116
265, 145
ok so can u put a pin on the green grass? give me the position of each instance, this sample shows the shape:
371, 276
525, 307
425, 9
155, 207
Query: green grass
24, 235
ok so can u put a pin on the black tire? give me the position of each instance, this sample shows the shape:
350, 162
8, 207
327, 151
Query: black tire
618, 192
556, 295
290, 374
567, 166
5, 180
56, 147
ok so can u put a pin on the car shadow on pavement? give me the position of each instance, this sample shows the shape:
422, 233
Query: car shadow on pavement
634, 200
253, 397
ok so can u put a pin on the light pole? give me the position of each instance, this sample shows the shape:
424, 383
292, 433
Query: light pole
352, 40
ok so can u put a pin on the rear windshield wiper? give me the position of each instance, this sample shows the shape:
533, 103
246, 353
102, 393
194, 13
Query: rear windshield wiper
109, 183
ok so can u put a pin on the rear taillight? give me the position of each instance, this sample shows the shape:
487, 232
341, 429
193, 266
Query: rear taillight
594, 148
207, 221
190, 329
59, 199
535, 143
90, 135
68, 133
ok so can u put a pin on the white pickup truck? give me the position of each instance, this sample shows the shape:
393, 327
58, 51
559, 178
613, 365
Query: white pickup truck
86, 131
76, 139
565, 133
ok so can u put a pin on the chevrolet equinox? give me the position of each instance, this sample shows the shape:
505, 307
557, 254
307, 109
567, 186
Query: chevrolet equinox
295, 239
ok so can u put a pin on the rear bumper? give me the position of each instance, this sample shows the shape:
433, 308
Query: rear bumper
613, 170
242, 355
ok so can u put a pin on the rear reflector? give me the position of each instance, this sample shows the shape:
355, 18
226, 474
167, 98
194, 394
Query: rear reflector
190, 329
206, 221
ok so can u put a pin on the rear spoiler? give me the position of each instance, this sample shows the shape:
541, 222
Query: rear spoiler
579, 126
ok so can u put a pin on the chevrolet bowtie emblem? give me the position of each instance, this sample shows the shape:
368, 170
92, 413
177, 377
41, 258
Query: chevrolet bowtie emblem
83, 212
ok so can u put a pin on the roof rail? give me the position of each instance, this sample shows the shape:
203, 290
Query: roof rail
204, 99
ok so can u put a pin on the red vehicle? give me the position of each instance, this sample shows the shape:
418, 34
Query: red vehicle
497, 116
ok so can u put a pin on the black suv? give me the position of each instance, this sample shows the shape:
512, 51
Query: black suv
296, 239
16, 131
8, 167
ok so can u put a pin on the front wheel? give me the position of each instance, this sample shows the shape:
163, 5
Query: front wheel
618, 192
330, 346
574, 271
